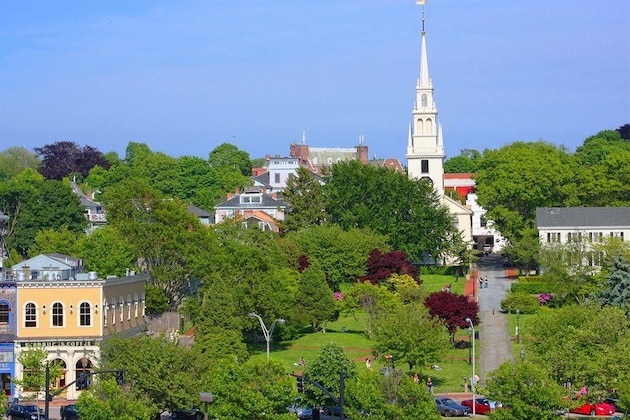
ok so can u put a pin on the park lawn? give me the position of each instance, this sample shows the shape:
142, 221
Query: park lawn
358, 347
524, 323
453, 368
435, 283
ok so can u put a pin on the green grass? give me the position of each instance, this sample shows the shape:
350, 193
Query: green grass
358, 347
435, 283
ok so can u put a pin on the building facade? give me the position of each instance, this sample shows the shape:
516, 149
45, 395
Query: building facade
68, 313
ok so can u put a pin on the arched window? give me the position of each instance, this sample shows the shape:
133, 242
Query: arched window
424, 100
60, 381
85, 315
105, 313
314, 161
57, 314
429, 126
30, 315
5, 310
83, 367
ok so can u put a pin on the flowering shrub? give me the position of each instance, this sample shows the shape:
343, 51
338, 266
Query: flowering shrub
543, 298
337, 295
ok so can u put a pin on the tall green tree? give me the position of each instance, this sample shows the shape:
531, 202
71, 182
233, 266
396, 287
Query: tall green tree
35, 204
314, 302
169, 242
596, 148
578, 344
615, 291
250, 391
515, 179
106, 400
410, 334
465, 162
326, 369
54, 241
233, 166
528, 391
159, 371
339, 253
106, 251
307, 202
407, 211
381, 397
14, 160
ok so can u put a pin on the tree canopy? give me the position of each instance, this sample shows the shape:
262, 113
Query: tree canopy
64, 158
407, 211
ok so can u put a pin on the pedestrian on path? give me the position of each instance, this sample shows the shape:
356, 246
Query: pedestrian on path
486, 282
456, 275
430, 385
480, 282
368, 363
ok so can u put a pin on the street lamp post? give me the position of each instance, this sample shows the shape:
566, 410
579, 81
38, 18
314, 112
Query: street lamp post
206, 398
473, 381
518, 325
266, 332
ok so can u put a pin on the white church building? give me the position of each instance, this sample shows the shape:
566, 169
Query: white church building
425, 145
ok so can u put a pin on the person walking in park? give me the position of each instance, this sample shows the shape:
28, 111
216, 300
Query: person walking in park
486, 282
368, 363
430, 385
456, 275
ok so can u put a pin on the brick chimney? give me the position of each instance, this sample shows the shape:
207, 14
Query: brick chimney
362, 151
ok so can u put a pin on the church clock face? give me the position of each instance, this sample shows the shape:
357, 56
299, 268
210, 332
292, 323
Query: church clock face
427, 180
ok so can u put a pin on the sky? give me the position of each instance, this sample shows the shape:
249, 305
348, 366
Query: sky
184, 76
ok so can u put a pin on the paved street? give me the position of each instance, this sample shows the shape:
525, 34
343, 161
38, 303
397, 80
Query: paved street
494, 337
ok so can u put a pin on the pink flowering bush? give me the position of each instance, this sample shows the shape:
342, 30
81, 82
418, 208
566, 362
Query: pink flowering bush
543, 298
337, 295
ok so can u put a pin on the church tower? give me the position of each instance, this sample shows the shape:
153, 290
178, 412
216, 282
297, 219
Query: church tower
425, 148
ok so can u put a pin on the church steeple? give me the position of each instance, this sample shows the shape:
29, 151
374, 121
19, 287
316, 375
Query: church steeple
425, 149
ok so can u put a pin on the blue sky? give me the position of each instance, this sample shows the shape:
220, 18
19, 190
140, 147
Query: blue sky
184, 76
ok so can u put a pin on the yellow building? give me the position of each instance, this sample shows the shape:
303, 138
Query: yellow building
69, 312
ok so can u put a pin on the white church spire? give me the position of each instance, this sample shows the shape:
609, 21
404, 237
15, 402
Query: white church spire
425, 147
425, 80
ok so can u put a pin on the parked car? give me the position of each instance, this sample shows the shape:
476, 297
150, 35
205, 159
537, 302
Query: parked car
300, 409
69, 412
482, 405
30, 412
449, 408
595, 409
615, 403
187, 414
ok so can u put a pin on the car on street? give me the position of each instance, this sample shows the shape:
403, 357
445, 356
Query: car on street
29, 412
300, 409
69, 412
187, 414
595, 409
615, 403
449, 408
482, 405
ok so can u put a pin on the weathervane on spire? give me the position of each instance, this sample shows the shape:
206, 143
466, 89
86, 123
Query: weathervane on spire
422, 3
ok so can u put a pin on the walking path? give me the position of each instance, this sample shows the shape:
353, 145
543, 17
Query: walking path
494, 337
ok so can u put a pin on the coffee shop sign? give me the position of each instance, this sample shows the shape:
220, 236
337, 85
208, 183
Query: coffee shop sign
59, 343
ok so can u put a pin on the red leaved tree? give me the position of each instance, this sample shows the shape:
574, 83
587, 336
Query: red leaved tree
453, 309
381, 265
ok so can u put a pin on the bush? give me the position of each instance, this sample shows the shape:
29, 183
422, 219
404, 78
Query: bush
532, 287
524, 302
